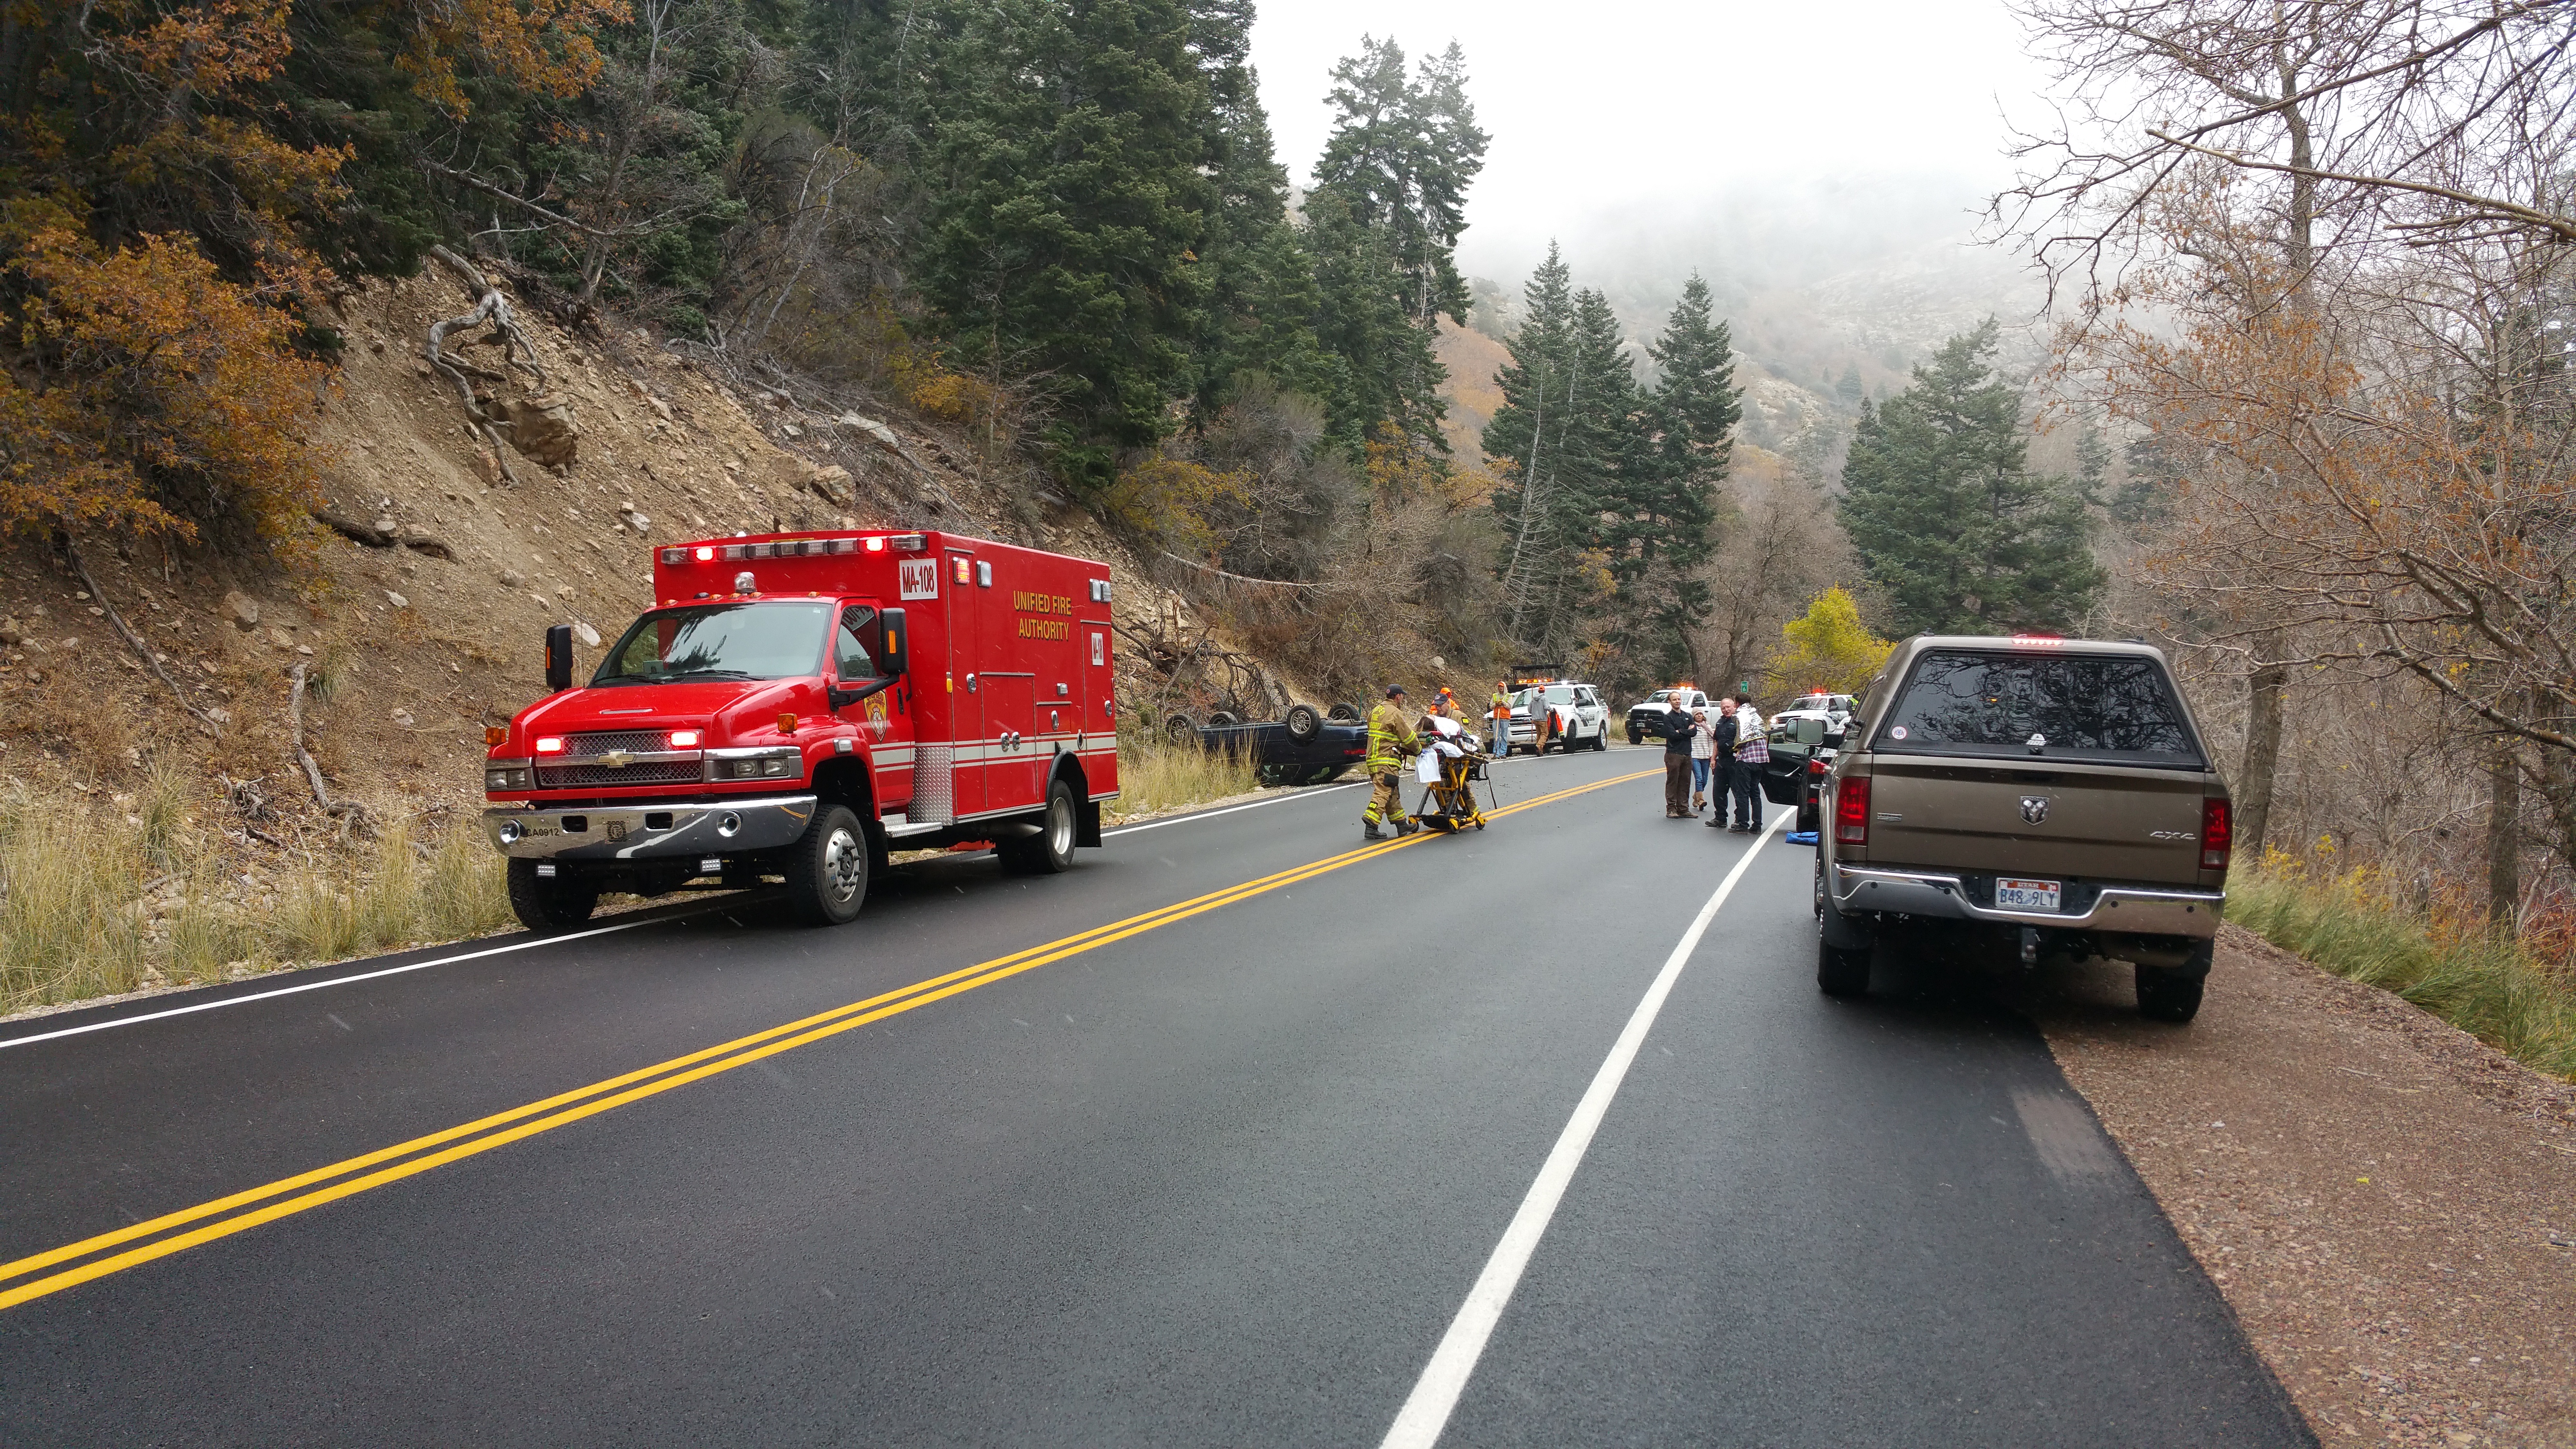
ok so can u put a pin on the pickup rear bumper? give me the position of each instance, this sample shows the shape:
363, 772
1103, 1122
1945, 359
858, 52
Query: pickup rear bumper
1938, 895
648, 831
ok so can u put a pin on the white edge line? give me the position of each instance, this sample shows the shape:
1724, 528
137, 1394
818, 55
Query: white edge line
529, 945
1308, 793
1426, 1413
87, 1027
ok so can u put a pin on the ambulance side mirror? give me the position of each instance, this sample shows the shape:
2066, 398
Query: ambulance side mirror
559, 658
894, 643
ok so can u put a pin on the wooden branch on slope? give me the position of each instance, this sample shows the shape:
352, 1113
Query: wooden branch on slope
134, 640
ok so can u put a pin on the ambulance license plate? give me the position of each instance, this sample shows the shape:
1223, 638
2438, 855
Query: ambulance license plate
2025, 895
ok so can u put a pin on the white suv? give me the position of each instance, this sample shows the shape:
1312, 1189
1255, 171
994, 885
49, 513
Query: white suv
1579, 720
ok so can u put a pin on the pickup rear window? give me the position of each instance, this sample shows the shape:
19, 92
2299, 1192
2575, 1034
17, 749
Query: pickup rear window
2116, 708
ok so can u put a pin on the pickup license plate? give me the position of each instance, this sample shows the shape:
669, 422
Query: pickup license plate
2025, 895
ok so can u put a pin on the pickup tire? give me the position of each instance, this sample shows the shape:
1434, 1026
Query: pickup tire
1051, 849
827, 869
2173, 993
1840, 972
1180, 729
1304, 722
1634, 736
546, 904
1344, 713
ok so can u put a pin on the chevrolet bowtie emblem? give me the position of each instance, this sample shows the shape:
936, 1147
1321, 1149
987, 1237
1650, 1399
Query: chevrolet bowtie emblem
617, 759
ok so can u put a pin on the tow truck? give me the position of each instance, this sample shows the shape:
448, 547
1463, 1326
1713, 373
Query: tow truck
796, 706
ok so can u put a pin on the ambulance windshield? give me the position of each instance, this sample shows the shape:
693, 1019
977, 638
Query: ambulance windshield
719, 641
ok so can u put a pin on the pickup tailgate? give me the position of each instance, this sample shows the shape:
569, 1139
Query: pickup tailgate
2096, 822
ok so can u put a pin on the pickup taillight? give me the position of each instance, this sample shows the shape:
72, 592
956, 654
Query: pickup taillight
1818, 767
1851, 811
2217, 834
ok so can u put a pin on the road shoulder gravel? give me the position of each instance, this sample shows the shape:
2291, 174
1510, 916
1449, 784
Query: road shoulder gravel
2388, 1205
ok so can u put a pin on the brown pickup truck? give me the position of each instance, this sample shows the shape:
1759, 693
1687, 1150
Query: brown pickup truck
2050, 795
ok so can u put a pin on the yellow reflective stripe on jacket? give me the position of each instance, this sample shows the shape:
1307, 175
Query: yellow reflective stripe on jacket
1388, 734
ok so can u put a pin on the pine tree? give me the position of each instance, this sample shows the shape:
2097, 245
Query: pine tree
1384, 219
1951, 527
1262, 298
1662, 529
1066, 208
1570, 426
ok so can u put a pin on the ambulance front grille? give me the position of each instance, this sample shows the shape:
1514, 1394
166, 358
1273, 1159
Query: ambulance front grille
934, 800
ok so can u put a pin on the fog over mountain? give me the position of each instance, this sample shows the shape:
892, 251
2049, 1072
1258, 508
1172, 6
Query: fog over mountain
1822, 168
1822, 278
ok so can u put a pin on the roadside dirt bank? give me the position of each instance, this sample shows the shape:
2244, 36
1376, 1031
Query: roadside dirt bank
2389, 1206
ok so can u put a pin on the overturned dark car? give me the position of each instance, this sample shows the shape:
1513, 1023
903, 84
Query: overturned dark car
1304, 746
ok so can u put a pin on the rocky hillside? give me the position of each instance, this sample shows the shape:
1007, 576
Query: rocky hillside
415, 601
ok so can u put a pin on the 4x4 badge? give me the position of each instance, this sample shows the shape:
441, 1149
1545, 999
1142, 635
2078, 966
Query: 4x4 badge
2034, 808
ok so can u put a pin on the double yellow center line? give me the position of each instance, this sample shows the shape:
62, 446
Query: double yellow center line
160, 1237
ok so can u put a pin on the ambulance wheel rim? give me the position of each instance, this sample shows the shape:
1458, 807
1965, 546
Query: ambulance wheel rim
844, 865
1060, 825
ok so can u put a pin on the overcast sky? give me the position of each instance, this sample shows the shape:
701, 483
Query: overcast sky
1596, 109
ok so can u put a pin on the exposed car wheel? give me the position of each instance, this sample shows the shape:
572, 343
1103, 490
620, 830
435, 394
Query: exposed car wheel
550, 903
827, 870
1304, 722
1180, 729
1051, 849
1601, 741
1840, 972
2173, 993
2167, 995
1219, 719
1345, 712
1635, 738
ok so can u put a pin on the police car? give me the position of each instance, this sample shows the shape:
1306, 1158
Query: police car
1577, 717
1648, 716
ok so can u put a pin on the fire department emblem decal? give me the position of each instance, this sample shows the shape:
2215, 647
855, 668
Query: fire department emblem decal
2034, 808
877, 715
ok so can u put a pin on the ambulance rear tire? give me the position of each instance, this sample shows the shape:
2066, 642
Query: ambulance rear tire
1050, 850
827, 870
549, 903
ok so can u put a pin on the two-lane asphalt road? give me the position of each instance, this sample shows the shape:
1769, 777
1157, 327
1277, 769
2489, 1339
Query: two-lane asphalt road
1240, 1133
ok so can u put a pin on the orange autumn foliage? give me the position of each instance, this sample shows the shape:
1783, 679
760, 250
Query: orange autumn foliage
537, 45
156, 374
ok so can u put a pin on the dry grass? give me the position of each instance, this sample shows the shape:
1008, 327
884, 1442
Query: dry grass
94, 905
1155, 777
2487, 984
69, 886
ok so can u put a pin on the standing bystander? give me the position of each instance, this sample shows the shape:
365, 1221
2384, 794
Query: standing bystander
1703, 757
1752, 752
1677, 762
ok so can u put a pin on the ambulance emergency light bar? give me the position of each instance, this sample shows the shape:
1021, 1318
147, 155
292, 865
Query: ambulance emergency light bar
792, 548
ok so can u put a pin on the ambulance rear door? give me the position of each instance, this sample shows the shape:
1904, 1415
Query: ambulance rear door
967, 649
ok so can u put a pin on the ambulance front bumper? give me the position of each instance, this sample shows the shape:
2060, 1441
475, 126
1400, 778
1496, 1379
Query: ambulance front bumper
648, 831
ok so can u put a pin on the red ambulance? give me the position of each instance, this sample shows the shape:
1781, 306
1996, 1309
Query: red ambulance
796, 706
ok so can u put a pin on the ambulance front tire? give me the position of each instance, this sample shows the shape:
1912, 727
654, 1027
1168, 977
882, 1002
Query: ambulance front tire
827, 870
548, 903
1051, 849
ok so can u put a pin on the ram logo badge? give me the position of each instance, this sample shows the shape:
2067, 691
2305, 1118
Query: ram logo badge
2034, 808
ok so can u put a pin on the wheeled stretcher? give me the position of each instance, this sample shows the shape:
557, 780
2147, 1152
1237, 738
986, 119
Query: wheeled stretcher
1448, 768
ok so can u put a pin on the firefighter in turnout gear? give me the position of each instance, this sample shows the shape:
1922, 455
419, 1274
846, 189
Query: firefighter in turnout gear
1390, 741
